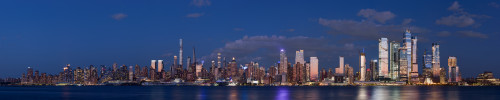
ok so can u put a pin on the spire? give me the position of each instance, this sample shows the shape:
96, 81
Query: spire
194, 56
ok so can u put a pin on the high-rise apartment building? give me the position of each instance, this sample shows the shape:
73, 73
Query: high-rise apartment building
362, 65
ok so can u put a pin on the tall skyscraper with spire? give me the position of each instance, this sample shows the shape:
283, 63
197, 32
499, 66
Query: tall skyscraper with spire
383, 56
194, 56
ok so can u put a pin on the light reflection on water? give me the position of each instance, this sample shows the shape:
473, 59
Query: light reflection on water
252, 93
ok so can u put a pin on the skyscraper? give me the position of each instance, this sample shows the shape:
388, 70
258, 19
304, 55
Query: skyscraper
218, 60
374, 66
453, 73
299, 57
160, 65
414, 65
383, 58
407, 45
313, 69
427, 59
180, 52
152, 72
131, 73
362, 65
153, 64
436, 68
403, 64
341, 66
394, 60
283, 62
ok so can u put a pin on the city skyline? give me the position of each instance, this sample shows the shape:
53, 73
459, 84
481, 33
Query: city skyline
49, 50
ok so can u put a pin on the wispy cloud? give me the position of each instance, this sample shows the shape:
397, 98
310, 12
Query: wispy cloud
201, 3
407, 21
372, 14
238, 29
288, 30
473, 34
443, 34
194, 15
119, 16
494, 4
460, 18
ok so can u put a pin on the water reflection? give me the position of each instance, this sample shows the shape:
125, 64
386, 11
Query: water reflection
255, 93
380, 93
66, 93
282, 93
313, 94
233, 94
157, 93
435, 93
362, 93
410, 93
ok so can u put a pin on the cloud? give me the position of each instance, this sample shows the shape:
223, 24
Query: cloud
288, 30
458, 21
372, 14
366, 29
443, 34
472, 34
194, 15
238, 29
455, 7
460, 18
266, 49
494, 4
407, 21
119, 16
201, 3
371, 28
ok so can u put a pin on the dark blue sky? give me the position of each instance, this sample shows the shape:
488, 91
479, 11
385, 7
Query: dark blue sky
46, 35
